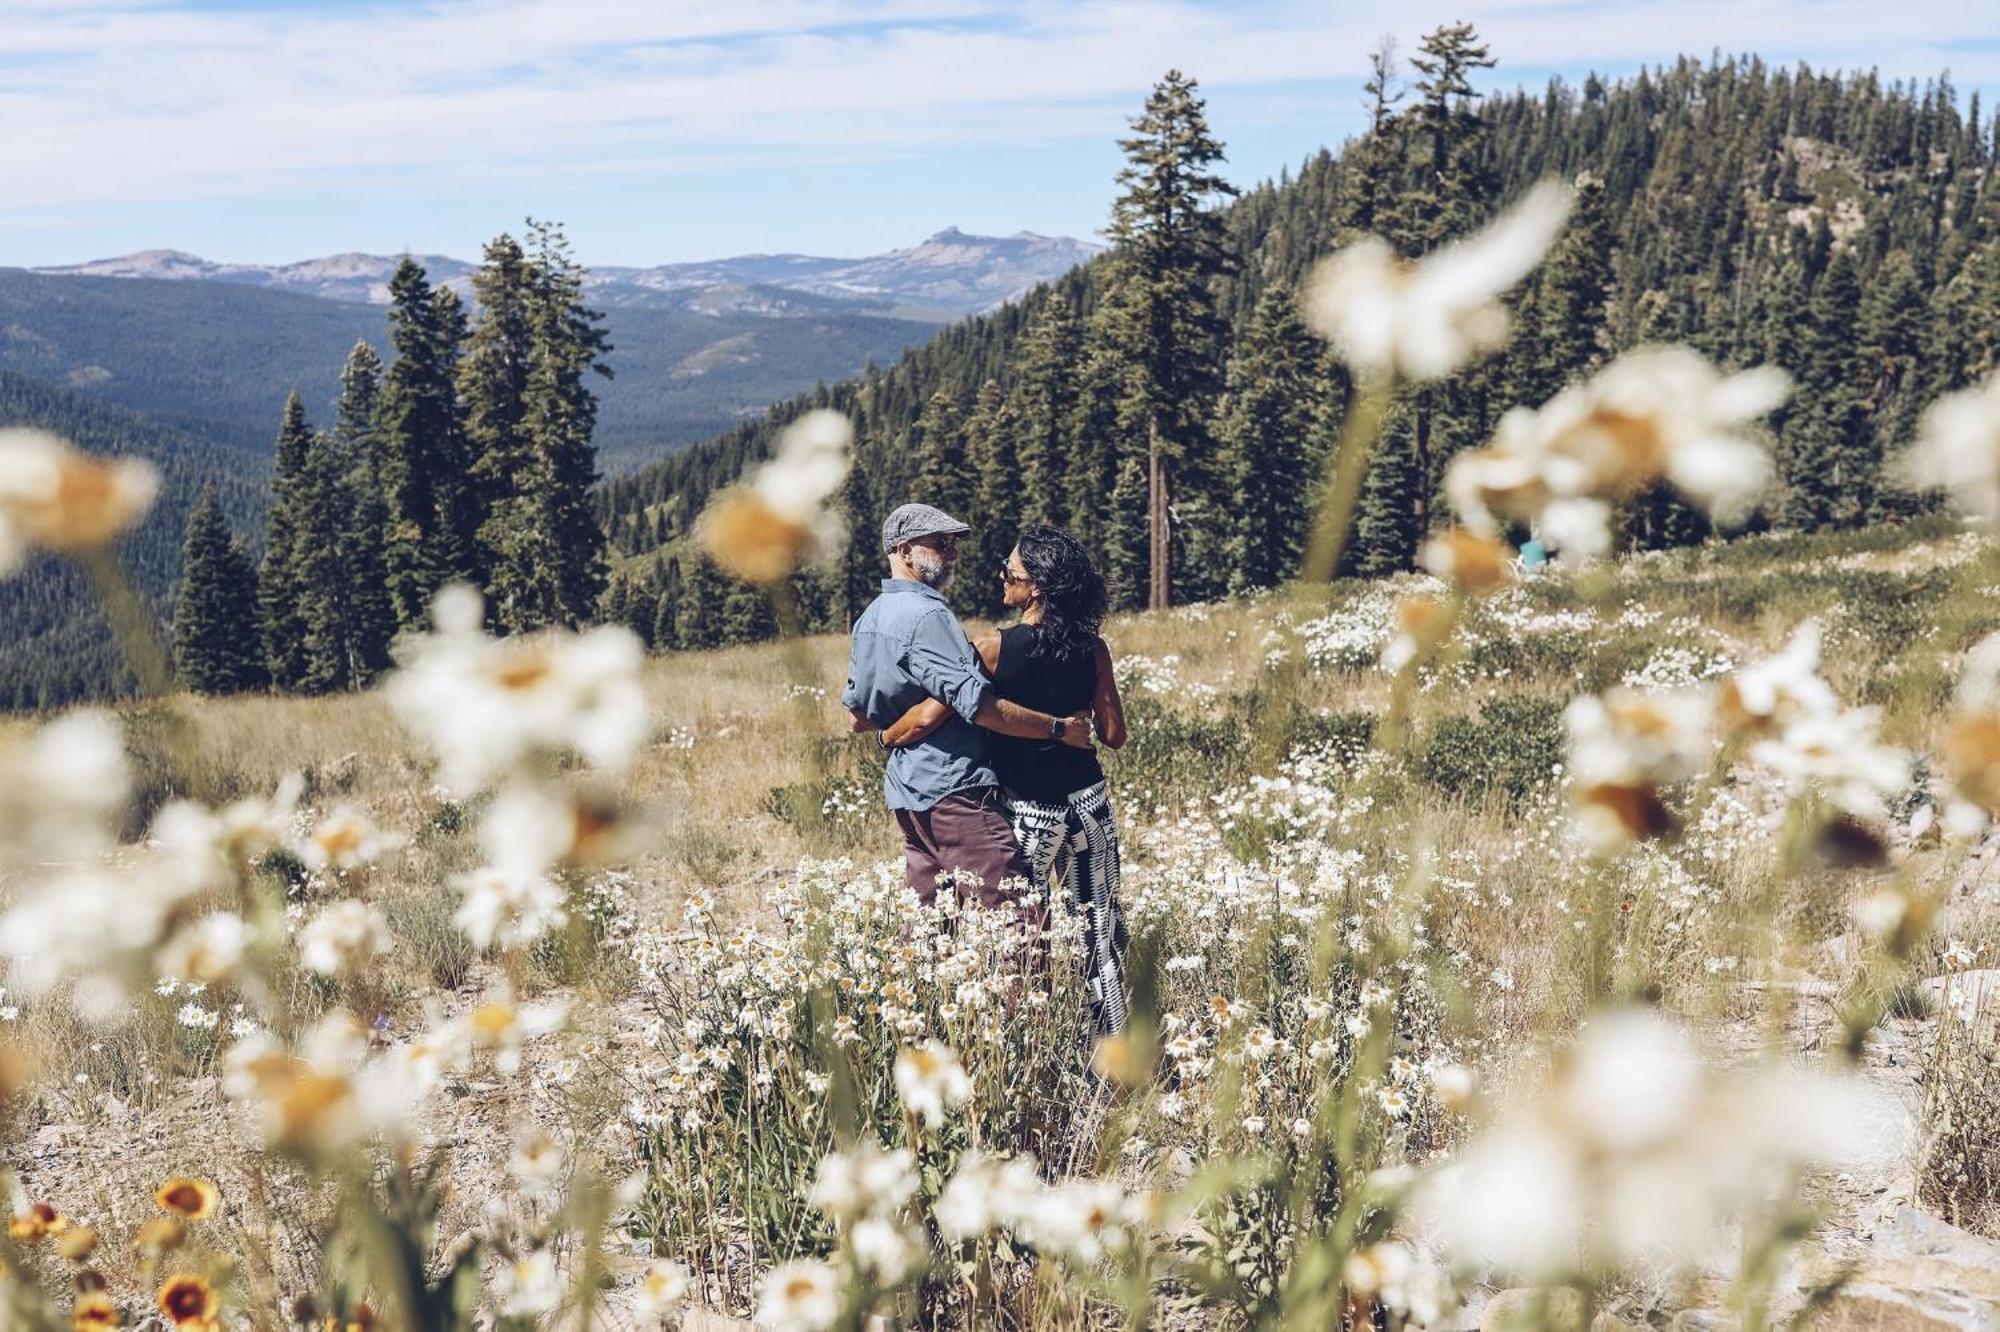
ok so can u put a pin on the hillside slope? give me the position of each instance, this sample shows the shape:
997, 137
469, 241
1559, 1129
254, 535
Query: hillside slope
55, 646
1729, 189
218, 357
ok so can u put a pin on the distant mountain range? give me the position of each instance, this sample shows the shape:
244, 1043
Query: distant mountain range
948, 276
216, 358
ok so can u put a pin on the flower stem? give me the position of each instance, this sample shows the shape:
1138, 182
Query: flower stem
1345, 467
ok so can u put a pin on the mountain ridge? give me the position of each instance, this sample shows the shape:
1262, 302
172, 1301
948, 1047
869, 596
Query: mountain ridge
949, 274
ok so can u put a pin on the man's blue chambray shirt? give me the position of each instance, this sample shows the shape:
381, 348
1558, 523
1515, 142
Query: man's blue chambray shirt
908, 647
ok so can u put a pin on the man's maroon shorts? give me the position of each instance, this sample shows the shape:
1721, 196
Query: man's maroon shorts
969, 831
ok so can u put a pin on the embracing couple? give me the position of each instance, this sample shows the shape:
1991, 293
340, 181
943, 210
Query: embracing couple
992, 773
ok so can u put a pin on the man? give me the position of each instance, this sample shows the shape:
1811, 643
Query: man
908, 646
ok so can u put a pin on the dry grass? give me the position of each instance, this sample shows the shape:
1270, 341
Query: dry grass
750, 743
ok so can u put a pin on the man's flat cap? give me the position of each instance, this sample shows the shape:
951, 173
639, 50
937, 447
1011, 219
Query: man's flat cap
910, 521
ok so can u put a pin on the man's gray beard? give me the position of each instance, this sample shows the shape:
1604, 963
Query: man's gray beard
931, 570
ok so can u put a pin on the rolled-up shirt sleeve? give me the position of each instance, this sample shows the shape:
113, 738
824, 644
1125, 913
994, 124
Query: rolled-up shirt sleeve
940, 659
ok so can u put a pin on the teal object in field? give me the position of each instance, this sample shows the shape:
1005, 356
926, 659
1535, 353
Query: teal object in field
1533, 555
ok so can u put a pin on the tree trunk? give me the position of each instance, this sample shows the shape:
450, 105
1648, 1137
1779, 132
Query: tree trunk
1158, 535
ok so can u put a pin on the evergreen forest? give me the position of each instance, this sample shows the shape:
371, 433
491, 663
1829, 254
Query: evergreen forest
1843, 228
1165, 401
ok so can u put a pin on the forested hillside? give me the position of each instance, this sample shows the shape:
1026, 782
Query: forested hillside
55, 646
218, 359
1842, 228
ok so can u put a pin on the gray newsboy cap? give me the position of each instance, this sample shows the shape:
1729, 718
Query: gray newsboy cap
910, 521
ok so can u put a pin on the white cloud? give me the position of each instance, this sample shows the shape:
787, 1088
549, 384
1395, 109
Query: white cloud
110, 102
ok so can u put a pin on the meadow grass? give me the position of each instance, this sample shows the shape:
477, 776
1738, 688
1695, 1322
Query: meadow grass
1334, 908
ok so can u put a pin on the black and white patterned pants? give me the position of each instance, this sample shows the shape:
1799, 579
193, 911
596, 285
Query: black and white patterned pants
1076, 844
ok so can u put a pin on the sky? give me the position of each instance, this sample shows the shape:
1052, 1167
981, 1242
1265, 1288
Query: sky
656, 131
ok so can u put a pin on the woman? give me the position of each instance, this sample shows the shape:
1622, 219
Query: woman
1053, 660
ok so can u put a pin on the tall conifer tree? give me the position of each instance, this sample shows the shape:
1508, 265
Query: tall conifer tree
372, 610
218, 647
990, 432
493, 394
417, 433
1168, 251
1044, 408
549, 562
1265, 438
279, 600
936, 446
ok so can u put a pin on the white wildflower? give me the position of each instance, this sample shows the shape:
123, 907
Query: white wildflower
1424, 319
799, 1296
344, 937
930, 1081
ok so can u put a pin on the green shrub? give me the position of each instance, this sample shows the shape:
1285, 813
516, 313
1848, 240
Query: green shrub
1510, 749
1171, 755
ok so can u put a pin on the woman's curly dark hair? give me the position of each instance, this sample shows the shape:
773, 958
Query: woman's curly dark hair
1073, 596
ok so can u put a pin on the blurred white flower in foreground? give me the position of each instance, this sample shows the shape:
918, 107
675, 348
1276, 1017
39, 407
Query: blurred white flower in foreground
54, 498
800, 1296
324, 1096
986, 1193
930, 1081
1766, 696
62, 788
529, 1284
662, 1289
1395, 1276
1838, 755
344, 937
765, 529
1622, 748
864, 1181
511, 906
1425, 318
95, 927
213, 847
346, 839
1656, 413
1640, 1153
1971, 746
1958, 450
207, 951
486, 706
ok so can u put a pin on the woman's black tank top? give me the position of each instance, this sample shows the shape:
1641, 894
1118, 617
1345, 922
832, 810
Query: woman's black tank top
1044, 770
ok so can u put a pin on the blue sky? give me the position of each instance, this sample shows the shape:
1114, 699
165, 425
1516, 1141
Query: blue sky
658, 130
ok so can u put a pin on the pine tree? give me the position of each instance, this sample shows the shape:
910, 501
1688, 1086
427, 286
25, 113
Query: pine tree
936, 447
280, 613
371, 608
1370, 203
1830, 466
990, 432
325, 581
1124, 532
666, 608
859, 569
1566, 335
417, 431
1388, 517
1264, 435
1169, 247
746, 615
1893, 336
1450, 183
1044, 401
698, 616
493, 394
546, 543
218, 648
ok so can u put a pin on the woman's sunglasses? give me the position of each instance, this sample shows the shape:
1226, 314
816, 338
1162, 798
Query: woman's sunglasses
1008, 576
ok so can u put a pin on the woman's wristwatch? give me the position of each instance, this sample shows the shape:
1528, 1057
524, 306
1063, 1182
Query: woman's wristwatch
1056, 725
